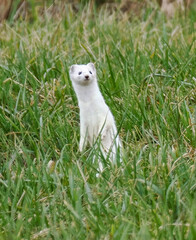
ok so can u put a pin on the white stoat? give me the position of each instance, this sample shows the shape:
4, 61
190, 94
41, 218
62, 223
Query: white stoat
96, 118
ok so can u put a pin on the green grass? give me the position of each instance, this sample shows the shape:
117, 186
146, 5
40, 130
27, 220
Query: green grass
147, 74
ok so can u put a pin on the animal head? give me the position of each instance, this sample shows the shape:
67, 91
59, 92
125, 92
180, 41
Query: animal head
82, 74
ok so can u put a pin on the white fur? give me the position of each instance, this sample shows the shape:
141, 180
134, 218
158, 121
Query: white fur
96, 118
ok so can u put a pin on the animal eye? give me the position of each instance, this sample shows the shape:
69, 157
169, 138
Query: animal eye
90, 72
79, 73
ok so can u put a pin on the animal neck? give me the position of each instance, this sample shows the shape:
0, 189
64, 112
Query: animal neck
88, 93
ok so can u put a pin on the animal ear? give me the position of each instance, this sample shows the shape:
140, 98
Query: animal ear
72, 68
91, 65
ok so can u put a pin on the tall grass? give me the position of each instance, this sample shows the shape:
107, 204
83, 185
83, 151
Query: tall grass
147, 74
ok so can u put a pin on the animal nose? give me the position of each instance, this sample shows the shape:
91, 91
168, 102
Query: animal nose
87, 76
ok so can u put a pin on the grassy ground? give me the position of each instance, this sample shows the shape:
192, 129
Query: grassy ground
147, 74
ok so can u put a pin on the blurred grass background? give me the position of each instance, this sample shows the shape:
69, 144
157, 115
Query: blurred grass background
146, 68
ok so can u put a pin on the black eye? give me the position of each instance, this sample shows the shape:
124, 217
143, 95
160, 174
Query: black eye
90, 72
79, 73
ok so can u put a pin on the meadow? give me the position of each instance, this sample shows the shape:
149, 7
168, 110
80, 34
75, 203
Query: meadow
146, 66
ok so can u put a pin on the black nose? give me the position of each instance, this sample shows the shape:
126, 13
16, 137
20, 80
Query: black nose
87, 76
